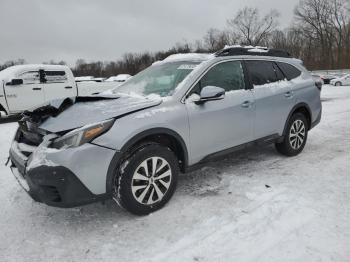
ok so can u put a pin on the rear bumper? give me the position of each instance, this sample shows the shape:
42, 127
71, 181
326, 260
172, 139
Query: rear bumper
53, 185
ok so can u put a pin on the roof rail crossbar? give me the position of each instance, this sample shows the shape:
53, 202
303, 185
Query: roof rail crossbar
252, 51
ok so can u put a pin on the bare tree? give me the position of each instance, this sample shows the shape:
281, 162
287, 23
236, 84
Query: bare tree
210, 39
53, 62
251, 27
325, 24
319, 35
12, 63
215, 39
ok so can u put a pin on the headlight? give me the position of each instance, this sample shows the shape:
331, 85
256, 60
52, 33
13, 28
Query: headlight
82, 135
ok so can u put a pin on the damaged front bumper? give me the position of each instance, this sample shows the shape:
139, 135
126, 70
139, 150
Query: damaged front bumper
62, 178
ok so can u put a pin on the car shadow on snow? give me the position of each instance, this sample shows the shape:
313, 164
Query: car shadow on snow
209, 179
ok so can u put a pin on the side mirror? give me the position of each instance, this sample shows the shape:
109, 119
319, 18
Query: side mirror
15, 82
211, 93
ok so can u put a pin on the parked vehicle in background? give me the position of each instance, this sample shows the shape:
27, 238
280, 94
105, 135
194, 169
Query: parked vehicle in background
79, 79
99, 79
341, 81
174, 116
24, 87
83, 78
327, 78
121, 78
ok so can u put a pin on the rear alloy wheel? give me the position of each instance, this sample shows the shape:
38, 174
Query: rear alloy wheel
147, 179
295, 137
338, 84
297, 134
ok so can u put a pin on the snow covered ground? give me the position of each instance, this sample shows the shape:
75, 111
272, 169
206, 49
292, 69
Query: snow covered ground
252, 206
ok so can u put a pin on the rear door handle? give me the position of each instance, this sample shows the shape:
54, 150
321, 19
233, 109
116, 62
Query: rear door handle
36, 88
246, 104
288, 94
68, 87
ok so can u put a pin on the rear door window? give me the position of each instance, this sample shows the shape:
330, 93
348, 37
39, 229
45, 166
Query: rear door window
262, 72
55, 77
291, 72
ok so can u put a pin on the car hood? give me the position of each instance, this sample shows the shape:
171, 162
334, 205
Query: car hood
93, 109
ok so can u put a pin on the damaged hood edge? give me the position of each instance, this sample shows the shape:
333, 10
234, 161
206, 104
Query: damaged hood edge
64, 115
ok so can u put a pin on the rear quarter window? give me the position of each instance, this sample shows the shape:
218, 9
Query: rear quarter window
291, 72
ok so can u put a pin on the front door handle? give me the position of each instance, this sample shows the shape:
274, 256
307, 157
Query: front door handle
288, 94
36, 88
68, 87
246, 104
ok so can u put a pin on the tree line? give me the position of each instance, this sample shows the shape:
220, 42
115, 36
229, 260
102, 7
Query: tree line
319, 35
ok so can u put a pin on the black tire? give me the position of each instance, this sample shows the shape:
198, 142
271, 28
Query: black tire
124, 181
338, 84
291, 144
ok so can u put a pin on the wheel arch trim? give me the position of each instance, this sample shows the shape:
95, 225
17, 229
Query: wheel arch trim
134, 140
294, 109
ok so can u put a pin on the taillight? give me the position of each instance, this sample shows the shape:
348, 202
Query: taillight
318, 84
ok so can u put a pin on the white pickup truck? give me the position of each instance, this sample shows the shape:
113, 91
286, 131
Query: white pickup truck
24, 87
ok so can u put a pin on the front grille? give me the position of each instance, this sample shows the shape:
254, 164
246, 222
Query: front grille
51, 193
30, 138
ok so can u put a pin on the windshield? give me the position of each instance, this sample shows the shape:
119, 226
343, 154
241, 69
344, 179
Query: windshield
159, 79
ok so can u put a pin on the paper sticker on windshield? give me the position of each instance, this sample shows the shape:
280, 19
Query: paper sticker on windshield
187, 67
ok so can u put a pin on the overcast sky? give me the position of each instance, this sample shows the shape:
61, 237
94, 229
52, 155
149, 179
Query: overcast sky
40, 30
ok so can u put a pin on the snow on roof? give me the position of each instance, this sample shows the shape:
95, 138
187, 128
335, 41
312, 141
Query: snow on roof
258, 50
189, 57
13, 71
84, 78
246, 46
120, 77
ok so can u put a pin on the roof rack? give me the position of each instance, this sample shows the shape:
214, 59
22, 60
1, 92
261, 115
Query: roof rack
252, 51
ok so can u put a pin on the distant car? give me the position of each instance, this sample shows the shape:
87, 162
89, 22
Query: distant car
341, 81
99, 79
89, 79
84, 78
121, 78
326, 79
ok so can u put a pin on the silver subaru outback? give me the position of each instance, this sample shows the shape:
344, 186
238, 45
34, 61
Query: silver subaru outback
130, 143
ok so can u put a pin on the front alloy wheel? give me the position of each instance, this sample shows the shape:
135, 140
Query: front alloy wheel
146, 179
151, 180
